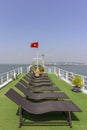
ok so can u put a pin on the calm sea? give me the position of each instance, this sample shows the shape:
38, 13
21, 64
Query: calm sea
8, 67
79, 69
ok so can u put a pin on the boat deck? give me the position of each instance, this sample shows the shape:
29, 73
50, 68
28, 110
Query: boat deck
9, 116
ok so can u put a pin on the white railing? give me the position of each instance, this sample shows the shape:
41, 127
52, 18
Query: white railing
62, 74
5, 78
67, 76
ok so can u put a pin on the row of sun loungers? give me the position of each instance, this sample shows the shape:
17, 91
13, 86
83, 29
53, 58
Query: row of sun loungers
37, 88
41, 97
38, 79
38, 83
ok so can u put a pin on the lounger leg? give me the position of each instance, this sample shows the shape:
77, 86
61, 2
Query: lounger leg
70, 120
20, 116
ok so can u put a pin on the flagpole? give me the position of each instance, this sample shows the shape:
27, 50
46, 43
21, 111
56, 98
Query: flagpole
37, 60
35, 45
37, 57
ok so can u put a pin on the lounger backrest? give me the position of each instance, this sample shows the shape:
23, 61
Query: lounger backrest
29, 76
40, 80
21, 88
26, 78
18, 99
24, 83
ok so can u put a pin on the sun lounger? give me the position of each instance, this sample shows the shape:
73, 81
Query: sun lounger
38, 80
41, 83
41, 75
38, 84
39, 88
41, 108
41, 96
32, 80
26, 84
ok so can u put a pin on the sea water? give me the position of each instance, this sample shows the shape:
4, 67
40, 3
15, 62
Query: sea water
78, 69
8, 67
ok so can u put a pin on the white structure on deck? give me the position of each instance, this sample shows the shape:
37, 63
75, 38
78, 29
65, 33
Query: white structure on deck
37, 59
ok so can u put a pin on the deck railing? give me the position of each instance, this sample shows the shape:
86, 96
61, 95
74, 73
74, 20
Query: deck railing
62, 74
67, 76
5, 78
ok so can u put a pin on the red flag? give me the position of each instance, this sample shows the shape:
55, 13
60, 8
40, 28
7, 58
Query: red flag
34, 45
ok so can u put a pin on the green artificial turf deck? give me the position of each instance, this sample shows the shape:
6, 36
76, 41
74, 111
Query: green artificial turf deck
8, 109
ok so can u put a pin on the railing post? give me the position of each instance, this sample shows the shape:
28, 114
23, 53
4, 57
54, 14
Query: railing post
1, 79
59, 75
21, 70
18, 71
55, 70
14, 71
49, 70
66, 76
83, 83
83, 80
7, 76
59, 72
28, 70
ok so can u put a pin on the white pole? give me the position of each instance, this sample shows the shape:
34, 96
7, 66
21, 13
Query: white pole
7, 76
37, 60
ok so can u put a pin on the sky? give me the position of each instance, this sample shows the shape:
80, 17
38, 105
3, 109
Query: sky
59, 26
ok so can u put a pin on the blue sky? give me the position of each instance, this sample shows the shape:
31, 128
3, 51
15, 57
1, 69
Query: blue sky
60, 27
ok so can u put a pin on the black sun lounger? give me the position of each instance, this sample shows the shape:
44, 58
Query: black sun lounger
40, 82
38, 78
34, 77
40, 96
42, 107
39, 88
26, 84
